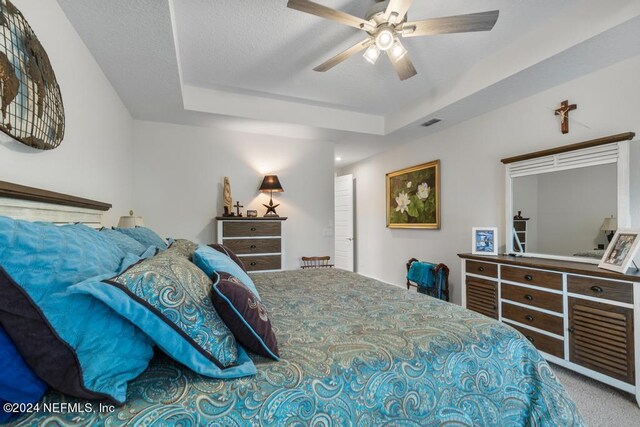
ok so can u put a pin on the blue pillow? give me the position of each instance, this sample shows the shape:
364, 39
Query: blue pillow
211, 261
73, 342
145, 236
124, 242
169, 299
18, 383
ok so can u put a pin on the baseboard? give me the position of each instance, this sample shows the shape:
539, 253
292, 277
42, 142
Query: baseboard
403, 286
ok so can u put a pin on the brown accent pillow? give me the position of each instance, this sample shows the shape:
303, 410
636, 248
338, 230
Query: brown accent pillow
228, 252
244, 315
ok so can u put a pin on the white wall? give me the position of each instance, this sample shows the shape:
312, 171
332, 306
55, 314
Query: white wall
525, 200
94, 159
472, 177
179, 172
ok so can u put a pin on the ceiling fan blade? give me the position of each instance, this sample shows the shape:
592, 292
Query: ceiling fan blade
404, 67
327, 65
399, 8
328, 13
483, 21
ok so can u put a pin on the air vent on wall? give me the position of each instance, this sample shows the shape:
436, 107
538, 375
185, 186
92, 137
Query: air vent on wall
431, 122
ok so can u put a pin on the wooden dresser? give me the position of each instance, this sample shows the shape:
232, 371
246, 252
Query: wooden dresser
577, 315
257, 241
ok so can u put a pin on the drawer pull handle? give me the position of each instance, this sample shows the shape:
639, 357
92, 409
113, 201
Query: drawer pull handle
597, 289
528, 297
528, 277
529, 317
480, 268
530, 338
253, 246
253, 229
252, 263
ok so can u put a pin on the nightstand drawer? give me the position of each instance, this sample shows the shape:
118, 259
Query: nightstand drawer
482, 268
532, 297
549, 345
529, 276
262, 262
254, 246
251, 229
600, 288
530, 317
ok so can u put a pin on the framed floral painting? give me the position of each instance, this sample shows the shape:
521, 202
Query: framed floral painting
413, 197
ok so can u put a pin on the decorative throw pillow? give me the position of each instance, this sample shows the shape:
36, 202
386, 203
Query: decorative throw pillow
18, 383
75, 343
124, 242
145, 236
184, 247
245, 315
169, 298
228, 252
211, 261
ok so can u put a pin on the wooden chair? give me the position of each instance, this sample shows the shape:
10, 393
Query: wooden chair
316, 262
437, 272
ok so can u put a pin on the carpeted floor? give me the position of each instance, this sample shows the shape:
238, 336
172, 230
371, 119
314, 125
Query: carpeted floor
599, 404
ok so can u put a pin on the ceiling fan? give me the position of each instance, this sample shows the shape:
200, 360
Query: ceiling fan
385, 23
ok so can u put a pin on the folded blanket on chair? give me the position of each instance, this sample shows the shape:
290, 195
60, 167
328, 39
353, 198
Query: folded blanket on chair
423, 274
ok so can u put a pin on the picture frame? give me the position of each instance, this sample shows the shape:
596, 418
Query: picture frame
621, 250
485, 240
413, 197
252, 213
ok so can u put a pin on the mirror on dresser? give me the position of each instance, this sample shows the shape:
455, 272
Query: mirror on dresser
565, 203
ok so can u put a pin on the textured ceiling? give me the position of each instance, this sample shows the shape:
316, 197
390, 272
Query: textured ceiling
265, 47
246, 65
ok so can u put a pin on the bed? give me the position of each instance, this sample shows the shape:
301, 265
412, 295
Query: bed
354, 351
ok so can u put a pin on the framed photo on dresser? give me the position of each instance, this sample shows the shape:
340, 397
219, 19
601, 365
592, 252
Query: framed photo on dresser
621, 251
485, 240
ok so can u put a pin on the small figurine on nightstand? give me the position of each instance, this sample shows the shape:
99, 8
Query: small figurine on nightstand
228, 200
238, 206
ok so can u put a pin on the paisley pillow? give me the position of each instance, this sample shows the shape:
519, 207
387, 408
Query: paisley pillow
245, 315
228, 252
211, 261
169, 299
184, 247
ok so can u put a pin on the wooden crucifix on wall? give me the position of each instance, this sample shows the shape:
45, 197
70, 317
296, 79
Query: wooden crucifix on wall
563, 112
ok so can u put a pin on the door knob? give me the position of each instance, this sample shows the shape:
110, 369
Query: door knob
350, 239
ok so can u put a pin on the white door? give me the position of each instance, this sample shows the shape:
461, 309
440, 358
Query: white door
344, 222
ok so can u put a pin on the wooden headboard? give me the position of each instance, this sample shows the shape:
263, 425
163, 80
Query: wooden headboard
34, 204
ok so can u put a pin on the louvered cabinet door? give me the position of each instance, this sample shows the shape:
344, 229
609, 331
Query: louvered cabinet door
482, 296
601, 338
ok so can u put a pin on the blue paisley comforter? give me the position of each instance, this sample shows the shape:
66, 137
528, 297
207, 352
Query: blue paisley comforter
355, 352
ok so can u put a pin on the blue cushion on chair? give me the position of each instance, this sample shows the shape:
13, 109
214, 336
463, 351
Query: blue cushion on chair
18, 383
145, 236
211, 261
73, 342
127, 244
169, 298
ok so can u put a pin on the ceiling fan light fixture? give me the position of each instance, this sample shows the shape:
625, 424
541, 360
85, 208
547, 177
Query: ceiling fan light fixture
372, 54
384, 39
397, 52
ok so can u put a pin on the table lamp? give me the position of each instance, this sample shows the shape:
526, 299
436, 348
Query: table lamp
271, 183
609, 226
130, 221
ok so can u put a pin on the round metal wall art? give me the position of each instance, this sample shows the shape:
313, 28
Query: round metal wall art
30, 99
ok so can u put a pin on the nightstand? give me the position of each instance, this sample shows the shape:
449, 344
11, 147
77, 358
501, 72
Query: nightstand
257, 241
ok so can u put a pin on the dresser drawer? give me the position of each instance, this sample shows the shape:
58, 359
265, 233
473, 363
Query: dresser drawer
600, 288
253, 246
530, 317
262, 262
542, 342
250, 229
532, 297
482, 268
545, 279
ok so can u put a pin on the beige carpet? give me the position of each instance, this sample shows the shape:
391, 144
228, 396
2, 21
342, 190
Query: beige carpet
599, 404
